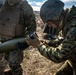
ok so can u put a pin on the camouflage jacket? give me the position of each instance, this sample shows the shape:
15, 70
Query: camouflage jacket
17, 20
67, 49
28, 17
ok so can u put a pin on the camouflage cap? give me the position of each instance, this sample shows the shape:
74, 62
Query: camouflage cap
51, 10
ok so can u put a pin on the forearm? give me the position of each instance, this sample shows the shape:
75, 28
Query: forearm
31, 24
58, 54
29, 19
50, 53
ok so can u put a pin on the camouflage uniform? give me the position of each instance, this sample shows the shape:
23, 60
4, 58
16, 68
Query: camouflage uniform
16, 21
66, 51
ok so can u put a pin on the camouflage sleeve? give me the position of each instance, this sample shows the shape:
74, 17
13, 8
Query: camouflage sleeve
29, 18
64, 51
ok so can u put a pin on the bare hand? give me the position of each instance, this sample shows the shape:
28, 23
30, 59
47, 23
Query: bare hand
33, 42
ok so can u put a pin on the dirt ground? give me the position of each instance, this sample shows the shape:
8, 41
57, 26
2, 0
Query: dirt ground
34, 63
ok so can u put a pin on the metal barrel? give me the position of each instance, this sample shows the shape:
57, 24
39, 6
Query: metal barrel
10, 45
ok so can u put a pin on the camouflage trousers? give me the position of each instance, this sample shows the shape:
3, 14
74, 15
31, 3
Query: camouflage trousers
15, 58
2, 64
65, 69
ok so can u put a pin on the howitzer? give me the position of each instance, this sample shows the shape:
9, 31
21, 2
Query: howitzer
11, 44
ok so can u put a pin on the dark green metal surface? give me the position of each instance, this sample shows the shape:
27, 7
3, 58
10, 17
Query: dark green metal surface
10, 45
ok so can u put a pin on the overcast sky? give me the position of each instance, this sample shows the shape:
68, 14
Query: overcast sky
36, 4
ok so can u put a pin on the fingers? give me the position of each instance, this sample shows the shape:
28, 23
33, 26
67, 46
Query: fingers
32, 42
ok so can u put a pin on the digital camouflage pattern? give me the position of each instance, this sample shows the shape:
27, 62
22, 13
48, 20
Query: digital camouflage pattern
27, 19
67, 49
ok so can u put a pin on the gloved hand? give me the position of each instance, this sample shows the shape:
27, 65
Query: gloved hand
33, 42
21, 46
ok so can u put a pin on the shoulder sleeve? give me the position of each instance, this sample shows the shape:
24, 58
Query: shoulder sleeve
29, 17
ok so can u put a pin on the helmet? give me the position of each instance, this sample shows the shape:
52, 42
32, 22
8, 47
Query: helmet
51, 10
